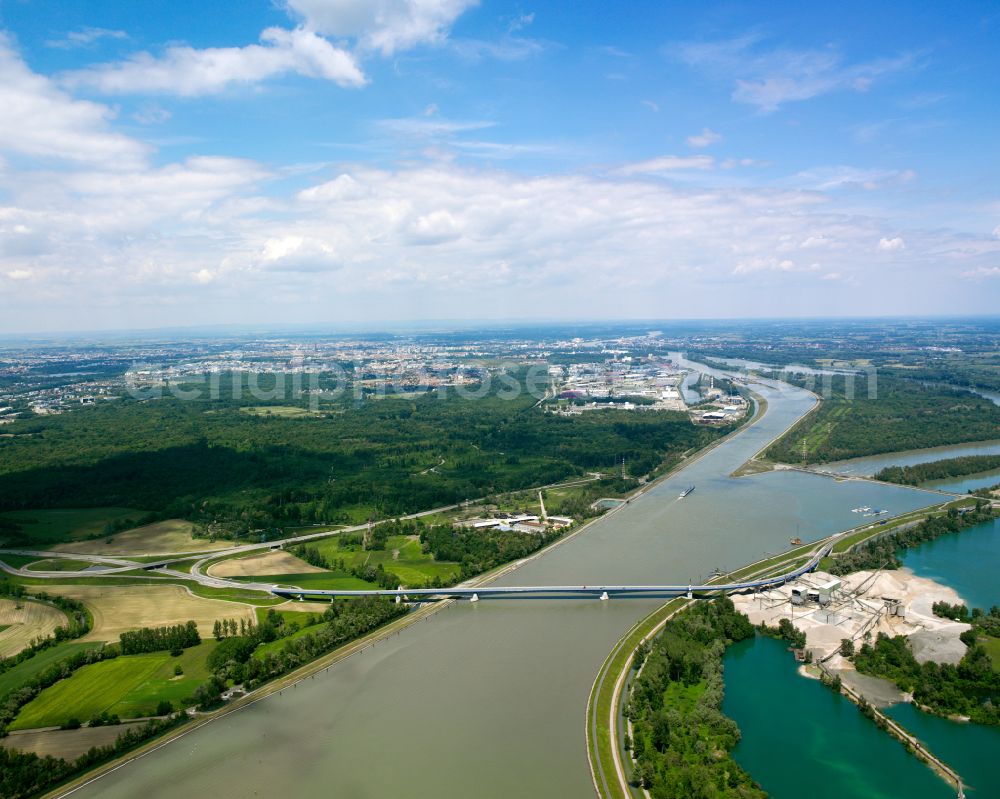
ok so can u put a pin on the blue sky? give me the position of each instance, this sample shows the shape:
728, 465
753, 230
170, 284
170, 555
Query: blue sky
330, 160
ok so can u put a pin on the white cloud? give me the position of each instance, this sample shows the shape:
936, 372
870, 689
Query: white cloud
996, 232
826, 178
385, 26
85, 37
41, 120
891, 244
706, 138
651, 106
190, 72
20, 274
432, 126
666, 163
982, 272
771, 78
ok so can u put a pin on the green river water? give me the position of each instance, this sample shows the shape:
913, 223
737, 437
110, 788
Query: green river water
832, 750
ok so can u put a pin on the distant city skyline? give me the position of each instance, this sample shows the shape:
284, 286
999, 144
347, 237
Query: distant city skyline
325, 162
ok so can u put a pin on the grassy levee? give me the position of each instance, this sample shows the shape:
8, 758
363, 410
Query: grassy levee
604, 704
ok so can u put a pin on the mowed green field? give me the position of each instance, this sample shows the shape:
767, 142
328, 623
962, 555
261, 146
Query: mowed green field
129, 686
68, 524
318, 580
59, 565
413, 565
23, 672
992, 646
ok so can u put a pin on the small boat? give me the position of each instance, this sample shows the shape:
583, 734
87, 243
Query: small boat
795, 541
686, 491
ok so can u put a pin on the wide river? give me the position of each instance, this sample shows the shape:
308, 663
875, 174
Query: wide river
489, 699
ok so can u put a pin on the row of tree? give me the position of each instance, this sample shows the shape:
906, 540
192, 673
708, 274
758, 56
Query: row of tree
881, 552
938, 470
25, 774
158, 639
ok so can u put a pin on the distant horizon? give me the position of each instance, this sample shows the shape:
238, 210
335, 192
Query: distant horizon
423, 326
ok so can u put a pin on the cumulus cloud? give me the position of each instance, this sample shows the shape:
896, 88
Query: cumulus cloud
385, 26
891, 244
189, 72
666, 163
42, 120
706, 138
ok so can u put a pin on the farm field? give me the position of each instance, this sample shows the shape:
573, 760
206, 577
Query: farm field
403, 556
23, 672
47, 527
31, 620
167, 537
274, 562
120, 608
129, 686
65, 744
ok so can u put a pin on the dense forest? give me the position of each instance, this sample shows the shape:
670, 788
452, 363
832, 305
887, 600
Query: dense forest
211, 462
972, 688
939, 470
880, 553
903, 415
681, 740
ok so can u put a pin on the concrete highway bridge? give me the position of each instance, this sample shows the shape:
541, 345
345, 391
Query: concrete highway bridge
569, 591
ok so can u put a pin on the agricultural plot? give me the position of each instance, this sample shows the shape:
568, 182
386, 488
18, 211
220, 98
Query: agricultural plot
65, 744
166, 537
130, 686
26, 670
128, 607
275, 562
25, 620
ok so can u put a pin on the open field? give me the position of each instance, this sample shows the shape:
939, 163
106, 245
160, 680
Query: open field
285, 411
26, 670
992, 646
65, 744
46, 527
58, 565
318, 580
17, 561
117, 609
129, 686
275, 562
31, 620
402, 556
172, 535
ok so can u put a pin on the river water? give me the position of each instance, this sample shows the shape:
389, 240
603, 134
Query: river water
866, 467
489, 699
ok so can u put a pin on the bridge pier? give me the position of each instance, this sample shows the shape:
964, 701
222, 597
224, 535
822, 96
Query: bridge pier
474, 598
605, 597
